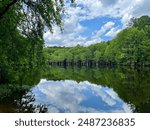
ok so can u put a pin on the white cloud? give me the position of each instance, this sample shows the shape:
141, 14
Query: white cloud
69, 96
112, 32
125, 19
142, 8
93, 40
96, 36
108, 2
90, 9
69, 37
104, 28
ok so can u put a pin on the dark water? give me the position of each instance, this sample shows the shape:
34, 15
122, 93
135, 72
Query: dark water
57, 89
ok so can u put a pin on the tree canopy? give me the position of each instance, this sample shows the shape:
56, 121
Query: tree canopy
33, 15
22, 24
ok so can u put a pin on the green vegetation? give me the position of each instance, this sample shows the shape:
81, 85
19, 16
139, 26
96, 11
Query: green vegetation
131, 47
19, 100
22, 24
22, 54
131, 85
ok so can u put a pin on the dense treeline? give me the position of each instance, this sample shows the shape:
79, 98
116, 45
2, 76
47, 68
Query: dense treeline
130, 47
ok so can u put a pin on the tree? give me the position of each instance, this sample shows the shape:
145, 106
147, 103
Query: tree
99, 52
35, 13
142, 23
22, 24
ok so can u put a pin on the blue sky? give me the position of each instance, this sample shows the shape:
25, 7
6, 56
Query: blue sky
93, 25
93, 21
83, 97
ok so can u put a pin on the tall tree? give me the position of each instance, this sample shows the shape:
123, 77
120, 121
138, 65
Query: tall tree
22, 24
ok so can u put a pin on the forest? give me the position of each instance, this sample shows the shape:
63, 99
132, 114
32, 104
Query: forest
131, 47
22, 25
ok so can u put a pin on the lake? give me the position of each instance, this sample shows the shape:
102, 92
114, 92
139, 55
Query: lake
73, 89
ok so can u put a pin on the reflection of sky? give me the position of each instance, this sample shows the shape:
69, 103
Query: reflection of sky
70, 96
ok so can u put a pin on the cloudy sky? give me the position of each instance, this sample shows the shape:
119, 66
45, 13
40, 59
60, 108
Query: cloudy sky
83, 97
93, 21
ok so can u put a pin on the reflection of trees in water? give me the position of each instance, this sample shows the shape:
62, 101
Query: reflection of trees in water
19, 99
16, 94
25, 104
132, 85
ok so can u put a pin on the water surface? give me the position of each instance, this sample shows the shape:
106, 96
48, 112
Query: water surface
56, 89
71, 96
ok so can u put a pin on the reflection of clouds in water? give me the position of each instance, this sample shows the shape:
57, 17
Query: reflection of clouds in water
70, 96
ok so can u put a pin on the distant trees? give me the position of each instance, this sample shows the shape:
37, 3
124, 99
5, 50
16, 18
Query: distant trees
130, 47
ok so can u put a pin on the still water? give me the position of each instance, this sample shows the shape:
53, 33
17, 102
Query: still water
79, 90
71, 96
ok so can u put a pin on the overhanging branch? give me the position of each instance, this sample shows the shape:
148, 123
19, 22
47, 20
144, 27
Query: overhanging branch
3, 12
